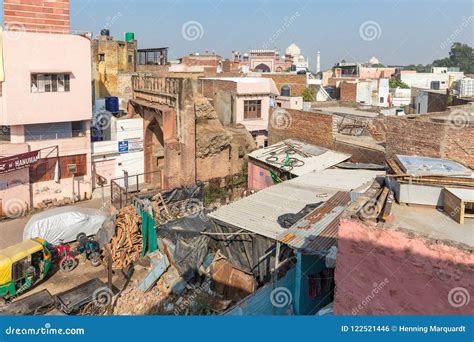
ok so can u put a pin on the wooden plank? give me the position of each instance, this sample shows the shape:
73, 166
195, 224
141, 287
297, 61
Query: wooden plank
453, 206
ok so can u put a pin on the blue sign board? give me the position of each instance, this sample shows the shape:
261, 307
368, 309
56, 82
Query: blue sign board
123, 146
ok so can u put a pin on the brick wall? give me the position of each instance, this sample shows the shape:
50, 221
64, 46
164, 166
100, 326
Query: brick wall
297, 83
360, 154
348, 92
414, 137
312, 128
430, 139
459, 145
50, 16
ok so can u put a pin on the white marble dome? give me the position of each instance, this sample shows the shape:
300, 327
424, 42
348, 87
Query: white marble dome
374, 60
293, 50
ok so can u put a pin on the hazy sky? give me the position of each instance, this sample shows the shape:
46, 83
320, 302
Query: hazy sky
396, 31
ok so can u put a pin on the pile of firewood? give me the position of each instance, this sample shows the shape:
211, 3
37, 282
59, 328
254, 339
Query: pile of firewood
126, 245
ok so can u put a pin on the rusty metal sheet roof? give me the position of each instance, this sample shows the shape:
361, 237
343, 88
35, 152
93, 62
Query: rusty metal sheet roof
317, 231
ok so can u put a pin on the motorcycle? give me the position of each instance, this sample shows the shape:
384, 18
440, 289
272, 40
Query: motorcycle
66, 259
90, 248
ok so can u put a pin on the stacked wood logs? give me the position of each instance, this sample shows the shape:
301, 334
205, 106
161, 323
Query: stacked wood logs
126, 245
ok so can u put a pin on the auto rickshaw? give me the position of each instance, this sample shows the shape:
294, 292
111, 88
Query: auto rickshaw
22, 266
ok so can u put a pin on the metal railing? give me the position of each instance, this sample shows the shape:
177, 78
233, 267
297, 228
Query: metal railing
123, 189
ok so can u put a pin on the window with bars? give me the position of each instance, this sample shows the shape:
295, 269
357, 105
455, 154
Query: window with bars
43, 169
47, 83
252, 109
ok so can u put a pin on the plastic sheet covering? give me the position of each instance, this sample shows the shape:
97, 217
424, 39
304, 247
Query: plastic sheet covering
288, 220
181, 194
64, 224
191, 247
106, 232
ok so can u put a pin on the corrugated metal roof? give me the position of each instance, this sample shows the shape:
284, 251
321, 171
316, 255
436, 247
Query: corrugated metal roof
259, 212
317, 231
307, 157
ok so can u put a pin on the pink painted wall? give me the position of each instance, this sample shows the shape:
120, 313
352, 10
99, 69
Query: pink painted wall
14, 186
387, 272
375, 73
29, 52
258, 178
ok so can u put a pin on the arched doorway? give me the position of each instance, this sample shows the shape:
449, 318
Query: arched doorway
262, 67
154, 153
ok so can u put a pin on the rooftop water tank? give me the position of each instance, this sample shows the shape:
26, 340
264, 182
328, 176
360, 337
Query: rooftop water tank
285, 91
112, 104
129, 37
105, 32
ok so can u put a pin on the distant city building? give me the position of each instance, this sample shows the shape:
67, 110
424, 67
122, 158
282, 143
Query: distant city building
109, 58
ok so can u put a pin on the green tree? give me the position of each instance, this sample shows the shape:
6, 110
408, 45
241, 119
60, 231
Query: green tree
460, 55
394, 83
309, 95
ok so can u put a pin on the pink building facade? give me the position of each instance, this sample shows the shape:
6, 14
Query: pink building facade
45, 106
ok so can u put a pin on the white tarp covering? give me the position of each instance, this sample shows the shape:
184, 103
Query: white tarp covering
63, 224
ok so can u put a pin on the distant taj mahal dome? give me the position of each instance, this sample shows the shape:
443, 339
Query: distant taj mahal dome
293, 50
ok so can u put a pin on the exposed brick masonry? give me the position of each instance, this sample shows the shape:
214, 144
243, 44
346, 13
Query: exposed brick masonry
49, 16
430, 139
310, 127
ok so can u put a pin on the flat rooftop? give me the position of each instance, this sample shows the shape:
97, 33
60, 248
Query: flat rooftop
433, 223
346, 111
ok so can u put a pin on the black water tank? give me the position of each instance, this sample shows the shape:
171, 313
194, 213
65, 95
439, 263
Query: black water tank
105, 32
285, 91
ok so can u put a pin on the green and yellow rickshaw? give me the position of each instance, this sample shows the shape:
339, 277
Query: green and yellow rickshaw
22, 266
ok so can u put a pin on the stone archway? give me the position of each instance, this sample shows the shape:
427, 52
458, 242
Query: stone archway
154, 149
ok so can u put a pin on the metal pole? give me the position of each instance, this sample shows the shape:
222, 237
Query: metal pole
73, 194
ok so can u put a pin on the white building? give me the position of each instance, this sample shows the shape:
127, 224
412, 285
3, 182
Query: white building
120, 149
439, 80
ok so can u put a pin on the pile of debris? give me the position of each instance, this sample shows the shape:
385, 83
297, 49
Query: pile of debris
126, 245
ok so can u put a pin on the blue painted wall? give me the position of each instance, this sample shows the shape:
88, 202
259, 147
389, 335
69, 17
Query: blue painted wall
296, 284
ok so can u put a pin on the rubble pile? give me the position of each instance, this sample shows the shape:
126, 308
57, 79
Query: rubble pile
126, 245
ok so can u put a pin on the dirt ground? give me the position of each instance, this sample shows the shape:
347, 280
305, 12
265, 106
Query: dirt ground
11, 231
